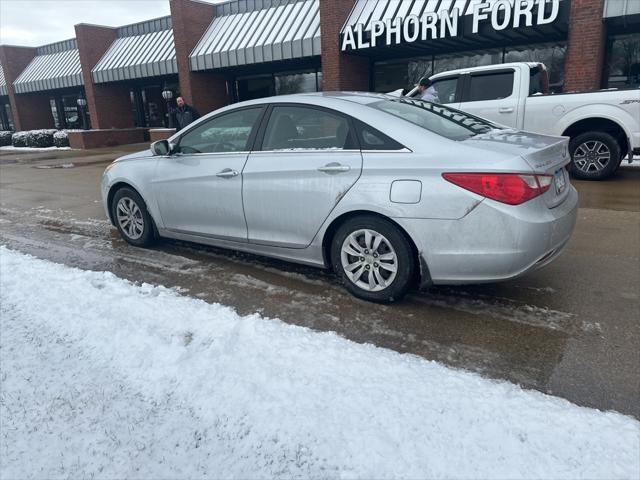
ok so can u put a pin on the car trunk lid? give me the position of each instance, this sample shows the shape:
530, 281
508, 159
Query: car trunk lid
545, 154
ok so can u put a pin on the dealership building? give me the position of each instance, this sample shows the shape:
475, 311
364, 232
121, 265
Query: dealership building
125, 79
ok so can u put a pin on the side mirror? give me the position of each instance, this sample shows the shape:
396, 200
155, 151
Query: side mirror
161, 148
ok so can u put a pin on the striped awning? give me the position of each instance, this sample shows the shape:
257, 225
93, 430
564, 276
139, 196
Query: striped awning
282, 32
55, 66
365, 12
621, 8
138, 56
3, 83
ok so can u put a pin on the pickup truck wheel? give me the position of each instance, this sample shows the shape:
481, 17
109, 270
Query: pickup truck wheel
595, 155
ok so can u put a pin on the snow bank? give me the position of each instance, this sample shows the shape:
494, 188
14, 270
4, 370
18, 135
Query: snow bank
11, 148
108, 379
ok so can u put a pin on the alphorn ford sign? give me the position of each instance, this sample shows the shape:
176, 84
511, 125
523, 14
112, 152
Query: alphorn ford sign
498, 15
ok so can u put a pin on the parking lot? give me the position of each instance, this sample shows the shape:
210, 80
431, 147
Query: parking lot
570, 329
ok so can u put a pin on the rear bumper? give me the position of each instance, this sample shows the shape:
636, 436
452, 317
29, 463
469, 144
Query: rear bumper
494, 242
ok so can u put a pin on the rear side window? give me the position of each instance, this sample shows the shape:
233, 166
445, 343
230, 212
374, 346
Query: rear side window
372, 139
492, 86
538, 81
292, 127
445, 121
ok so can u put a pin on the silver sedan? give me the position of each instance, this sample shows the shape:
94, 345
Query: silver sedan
389, 192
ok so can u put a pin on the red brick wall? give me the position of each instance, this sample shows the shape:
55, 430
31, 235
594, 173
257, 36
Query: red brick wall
156, 134
109, 103
205, 91
106, 138
340, 71
586, 49
30, 110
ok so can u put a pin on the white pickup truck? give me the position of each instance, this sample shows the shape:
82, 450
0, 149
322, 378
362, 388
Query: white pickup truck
604, 126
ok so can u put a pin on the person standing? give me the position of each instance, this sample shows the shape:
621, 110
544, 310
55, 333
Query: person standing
428, 91
184, 114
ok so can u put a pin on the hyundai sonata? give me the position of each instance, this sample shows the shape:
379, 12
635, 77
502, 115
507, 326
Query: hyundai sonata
389, 192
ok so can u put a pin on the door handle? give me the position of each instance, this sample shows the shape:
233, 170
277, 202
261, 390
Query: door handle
227, 173
506, 109
334, 167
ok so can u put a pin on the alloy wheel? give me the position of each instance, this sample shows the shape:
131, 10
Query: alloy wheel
369, 260
591, 156
130, 218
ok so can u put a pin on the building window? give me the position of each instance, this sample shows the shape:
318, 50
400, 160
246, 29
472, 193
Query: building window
393, 75
282, 83
552, 55
71, 111
6, 119
466, 60
396, 74
623, 61
57, 119
257, 86
155, 108
149, 108
301, 82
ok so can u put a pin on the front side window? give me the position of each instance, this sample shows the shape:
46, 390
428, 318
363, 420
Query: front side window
227, 133
444, 121
492, 86
305, 128
446, 89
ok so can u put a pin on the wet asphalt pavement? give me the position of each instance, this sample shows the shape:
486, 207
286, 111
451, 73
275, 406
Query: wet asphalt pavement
570, 329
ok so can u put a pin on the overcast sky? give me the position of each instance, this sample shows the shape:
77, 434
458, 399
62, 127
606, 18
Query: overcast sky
38, 22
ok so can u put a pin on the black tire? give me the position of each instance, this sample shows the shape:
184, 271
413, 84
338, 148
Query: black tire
584, 162
147, 235
405, 263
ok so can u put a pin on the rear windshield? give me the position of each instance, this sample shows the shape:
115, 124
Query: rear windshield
445, 121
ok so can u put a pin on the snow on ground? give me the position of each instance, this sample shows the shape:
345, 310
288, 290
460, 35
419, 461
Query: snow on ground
11, 148
102, 378
634, 164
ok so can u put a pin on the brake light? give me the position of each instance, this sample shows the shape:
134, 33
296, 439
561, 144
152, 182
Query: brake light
509, 188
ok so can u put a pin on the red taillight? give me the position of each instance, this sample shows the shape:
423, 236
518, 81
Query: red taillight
509, 188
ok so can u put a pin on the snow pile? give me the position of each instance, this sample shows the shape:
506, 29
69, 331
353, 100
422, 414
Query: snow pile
108, 379
5, 138
61, 139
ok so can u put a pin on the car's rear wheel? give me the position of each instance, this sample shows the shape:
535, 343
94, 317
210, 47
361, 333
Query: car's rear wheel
373, 258
131, 217
595, 155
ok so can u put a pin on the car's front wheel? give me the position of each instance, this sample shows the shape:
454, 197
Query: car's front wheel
131, 217
373, 258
